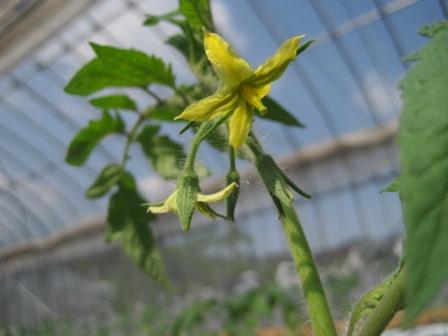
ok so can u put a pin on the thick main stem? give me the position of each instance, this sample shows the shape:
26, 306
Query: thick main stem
389, 305
316, 301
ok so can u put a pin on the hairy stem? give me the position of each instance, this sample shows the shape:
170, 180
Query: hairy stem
189, 161
389, 305
316, 301
318, 309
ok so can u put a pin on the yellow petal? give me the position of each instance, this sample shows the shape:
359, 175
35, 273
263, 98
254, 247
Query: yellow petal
223, 101
231, 69
253, 95
275, 65
218, 196
239, 124
168, 206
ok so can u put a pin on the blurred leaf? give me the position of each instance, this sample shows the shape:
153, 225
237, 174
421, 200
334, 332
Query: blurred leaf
180, 42
193, 316
155, 19
165, 155
116, 67
197, 13
278, 113
423, 141
152, 20
129, 224
188, 45
87, 138
121, 102
394, 186
108, 178
164, 112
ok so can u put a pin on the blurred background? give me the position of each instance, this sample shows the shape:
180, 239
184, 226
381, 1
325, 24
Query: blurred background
57, 273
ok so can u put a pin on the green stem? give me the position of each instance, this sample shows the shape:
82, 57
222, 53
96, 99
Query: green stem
317, 304
199, 136
131, 136
389, 305
182, 95
318, 309
232, 158
152, 94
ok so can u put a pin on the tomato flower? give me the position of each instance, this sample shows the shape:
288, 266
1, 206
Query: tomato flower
242, 88
171, 204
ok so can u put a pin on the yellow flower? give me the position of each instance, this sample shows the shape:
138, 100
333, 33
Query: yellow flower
242, 87
170, 204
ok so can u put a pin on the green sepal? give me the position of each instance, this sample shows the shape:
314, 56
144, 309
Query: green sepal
232, 176
304, 46
293, 186
188, 188
274, 181
186, 127
208, 210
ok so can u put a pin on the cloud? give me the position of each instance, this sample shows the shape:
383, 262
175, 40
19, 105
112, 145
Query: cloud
226, 25
382, 91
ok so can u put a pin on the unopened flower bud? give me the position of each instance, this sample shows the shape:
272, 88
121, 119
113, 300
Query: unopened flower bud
188, 188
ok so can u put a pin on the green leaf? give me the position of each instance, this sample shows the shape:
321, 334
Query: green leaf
165, 155
121, 102
116, 67
129, 224
278, 113
95, 76
132, 63
108, 178
423, 142
197, 13
87, 138
394, 186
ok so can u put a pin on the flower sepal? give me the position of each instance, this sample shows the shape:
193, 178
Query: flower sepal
232, 177
187, 197
277, 183
187, 192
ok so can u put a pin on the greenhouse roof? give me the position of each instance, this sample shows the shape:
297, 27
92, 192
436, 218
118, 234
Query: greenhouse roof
345, 83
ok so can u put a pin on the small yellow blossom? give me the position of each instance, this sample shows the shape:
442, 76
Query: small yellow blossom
242, 88
170, 204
